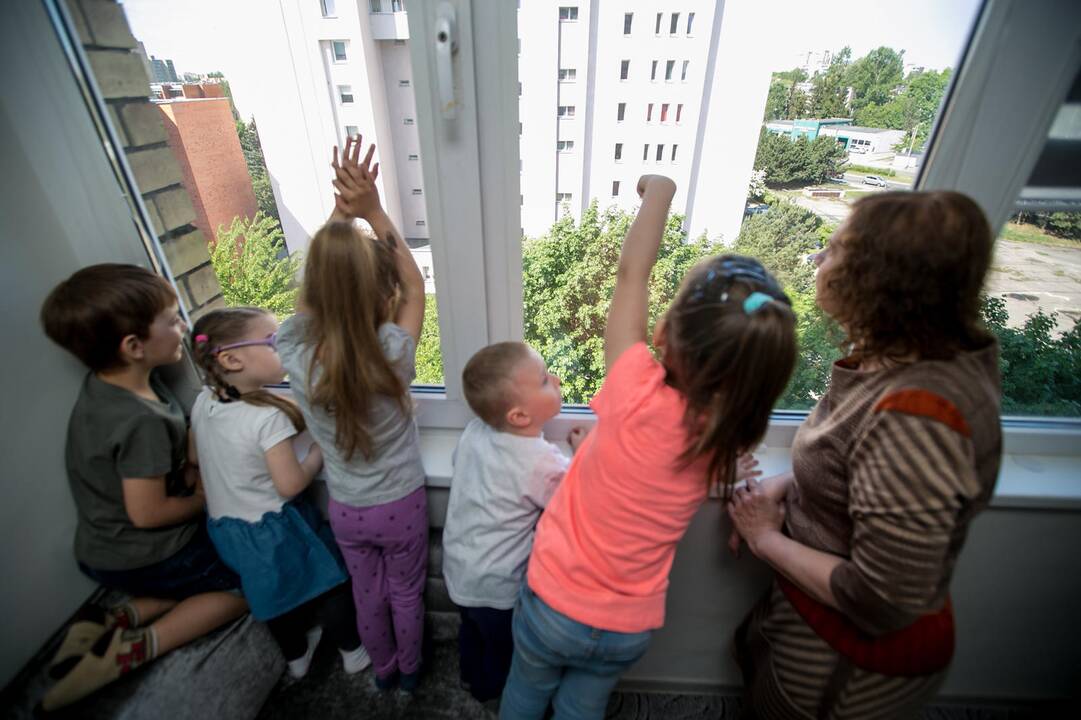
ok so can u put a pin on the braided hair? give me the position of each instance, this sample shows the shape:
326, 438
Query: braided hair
224, 326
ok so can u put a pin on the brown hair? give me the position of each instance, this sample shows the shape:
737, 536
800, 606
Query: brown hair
730, 363
224, 326
351, 287
91, 312
911, 274
486, 380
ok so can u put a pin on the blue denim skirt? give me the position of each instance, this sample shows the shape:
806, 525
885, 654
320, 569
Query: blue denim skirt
283, 560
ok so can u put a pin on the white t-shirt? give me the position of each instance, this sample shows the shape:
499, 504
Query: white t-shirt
231, 439
501, 484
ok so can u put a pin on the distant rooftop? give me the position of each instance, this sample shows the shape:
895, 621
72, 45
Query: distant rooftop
859, 128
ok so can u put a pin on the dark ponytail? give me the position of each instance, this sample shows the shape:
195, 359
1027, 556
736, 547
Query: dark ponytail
730, 350
224, 326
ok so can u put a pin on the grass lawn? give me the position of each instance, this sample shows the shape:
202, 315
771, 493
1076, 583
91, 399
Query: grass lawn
1027, 233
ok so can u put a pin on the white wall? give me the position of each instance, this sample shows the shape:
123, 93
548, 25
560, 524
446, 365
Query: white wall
60, 209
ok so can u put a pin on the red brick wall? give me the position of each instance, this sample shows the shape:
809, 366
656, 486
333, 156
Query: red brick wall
202, 136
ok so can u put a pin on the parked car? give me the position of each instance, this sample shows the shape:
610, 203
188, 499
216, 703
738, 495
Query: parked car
874, 180
755, 209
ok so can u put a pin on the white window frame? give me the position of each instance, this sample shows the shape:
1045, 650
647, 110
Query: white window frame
342, 93
334, 53
484, 269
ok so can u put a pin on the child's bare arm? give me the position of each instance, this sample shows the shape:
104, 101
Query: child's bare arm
148, 506
627, 315
358, 197
290, 476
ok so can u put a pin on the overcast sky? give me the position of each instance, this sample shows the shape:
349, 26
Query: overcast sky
205, 35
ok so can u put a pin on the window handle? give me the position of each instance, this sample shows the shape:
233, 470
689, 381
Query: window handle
446, 45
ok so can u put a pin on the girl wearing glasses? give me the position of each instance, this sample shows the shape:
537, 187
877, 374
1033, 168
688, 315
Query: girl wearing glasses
262, 523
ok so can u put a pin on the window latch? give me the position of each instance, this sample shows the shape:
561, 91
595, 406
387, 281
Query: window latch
446, 45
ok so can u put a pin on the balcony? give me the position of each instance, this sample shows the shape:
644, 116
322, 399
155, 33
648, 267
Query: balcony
389, 26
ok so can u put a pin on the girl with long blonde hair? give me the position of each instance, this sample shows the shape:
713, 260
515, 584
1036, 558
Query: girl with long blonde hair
350, 354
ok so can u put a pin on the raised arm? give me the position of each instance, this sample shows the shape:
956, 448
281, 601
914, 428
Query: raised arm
358, 197
627, 315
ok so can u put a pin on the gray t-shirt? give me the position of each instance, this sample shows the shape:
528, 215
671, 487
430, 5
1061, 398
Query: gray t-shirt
395, 468
501, 484
114, 434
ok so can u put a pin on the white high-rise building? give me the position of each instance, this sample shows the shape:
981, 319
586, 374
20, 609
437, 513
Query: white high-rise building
609, 91
613, 90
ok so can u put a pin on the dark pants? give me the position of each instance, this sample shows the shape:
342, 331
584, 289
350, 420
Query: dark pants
485, 646
333, 610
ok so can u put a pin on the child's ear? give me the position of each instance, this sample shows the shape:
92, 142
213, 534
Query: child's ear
229, 361
660, 334
131, 349
518, 418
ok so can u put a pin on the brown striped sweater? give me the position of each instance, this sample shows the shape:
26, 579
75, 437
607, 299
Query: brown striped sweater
891, 466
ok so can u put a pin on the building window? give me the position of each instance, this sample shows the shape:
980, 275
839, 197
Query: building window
649, 112
563, 197
403, 83
657, 29
690, 22
566, 111
686, 64
338, 46
418, 191
619, 151
421, 223
407, 121
660, 151
674, 152
568, 13
674, 25
565, 74
624, 69
564, 145
351, 130
376, 6
615, 188
397, 5
669, 68
653, 71
427, 272
628, 18
679, 112
345, 93
621, 110
414, 156
326, 7
645, 152
664, 112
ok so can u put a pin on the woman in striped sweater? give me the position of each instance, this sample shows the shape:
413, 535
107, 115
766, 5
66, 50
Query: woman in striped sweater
888, 471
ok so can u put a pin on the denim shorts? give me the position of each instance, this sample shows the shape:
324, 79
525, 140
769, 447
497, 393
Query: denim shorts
193, 570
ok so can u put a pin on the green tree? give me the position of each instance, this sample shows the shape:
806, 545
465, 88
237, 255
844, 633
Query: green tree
914, 109
777, 101
429, 353
874, 77
247, 258
789, 162
568, 279
829, 91
260, 178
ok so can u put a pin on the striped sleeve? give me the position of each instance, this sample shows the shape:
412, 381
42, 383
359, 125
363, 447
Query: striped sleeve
911, 475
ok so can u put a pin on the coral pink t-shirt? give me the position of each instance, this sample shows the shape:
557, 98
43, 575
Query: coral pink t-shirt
604, 546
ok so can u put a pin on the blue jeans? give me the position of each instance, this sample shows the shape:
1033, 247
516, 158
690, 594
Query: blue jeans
557, 659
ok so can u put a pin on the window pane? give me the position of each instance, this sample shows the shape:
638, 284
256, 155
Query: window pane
627, 19
867, 105
273, 134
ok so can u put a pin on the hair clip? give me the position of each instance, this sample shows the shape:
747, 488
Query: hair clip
755, 301
201, 339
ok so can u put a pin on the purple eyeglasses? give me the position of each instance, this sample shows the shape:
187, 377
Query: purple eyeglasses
271, 342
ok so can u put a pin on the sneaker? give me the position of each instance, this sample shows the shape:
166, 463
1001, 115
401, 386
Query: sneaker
388, 682
353, 661
299, 668
409, 681
113, 655
80, 637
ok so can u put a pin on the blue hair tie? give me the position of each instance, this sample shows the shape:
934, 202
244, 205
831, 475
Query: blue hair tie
756, 300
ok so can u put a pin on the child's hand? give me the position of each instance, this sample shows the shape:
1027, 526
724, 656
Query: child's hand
576, 436
746, 467
355, 181
657, 183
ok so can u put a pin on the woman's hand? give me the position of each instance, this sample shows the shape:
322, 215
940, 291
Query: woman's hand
354, 179
576, 436
755, 515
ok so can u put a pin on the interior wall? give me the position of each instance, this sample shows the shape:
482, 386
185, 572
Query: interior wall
61, 208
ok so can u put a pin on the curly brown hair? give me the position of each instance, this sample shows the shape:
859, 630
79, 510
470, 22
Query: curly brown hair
910, 277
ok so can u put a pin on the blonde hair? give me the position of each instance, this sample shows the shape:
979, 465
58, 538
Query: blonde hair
229, 325
486, 381
351, 287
